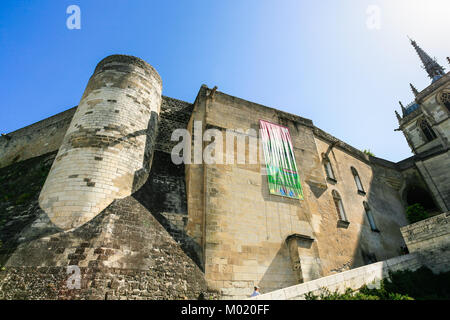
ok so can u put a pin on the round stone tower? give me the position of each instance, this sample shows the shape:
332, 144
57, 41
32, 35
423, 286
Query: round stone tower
107, 150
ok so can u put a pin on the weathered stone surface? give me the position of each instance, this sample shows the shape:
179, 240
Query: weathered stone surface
243, 229
107, 150
369, 275
123, 251
430, 240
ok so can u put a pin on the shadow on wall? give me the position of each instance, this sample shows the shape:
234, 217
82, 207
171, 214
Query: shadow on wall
276, 275
22, 220
415, 194
141, 175
382, 239
367, 245
164, 192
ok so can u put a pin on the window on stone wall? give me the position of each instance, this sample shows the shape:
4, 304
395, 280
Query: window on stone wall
427, 131
328, 169
357, 181
339, 206
369, 214
445, 98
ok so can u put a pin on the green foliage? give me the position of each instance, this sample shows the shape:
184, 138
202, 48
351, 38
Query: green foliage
416, 213
421, 284
368, 152
22, 198
364, 293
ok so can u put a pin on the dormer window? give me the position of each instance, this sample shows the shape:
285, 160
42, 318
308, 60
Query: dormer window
427, 131
359, 185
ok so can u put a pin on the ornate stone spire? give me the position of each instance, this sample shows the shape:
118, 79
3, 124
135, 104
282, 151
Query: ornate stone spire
430, 65
403, 108
414, 90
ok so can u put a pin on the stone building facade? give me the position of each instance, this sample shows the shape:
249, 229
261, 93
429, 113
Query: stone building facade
116, 205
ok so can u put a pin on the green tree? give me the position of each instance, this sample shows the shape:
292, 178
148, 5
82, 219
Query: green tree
416, 213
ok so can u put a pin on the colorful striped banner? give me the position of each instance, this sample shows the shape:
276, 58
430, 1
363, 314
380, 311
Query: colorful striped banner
282, 171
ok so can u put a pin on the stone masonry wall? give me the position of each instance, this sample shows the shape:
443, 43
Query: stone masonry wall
107, 150
354, 279
430, 240
36, 139
47, 135
381, 185
123, 253
242, 229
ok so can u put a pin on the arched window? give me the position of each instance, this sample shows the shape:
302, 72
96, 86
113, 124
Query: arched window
369, 214
328, 168
357, 181
339, 206
445, 99
427, 131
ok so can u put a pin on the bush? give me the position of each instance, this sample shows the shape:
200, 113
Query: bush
368, 152
416, 213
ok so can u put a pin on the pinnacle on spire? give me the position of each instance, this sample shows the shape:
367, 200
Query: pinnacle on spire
448, 60
430, 65
414, 90
403, 108
398, 116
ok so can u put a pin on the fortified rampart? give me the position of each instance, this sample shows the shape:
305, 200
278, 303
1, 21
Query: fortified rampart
138, 225
430, 240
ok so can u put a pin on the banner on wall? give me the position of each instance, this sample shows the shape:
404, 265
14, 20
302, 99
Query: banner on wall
282, 174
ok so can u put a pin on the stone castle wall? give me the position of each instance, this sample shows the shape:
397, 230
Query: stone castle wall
136, 248
36, 139
221, 218
47, 135
354, 279
430, 240
123, 253
381, 185
242, 229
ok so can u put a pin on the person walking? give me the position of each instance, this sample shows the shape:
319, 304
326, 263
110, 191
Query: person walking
255, 292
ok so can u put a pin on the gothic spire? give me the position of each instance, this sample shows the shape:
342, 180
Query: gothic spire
398, 116
403, 108
430, 65
414, 90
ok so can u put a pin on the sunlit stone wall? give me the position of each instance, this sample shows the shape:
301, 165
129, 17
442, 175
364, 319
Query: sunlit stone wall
107, 150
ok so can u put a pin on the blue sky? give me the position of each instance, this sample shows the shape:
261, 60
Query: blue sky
316, 59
